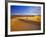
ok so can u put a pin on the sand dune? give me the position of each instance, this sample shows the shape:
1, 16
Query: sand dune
25, 23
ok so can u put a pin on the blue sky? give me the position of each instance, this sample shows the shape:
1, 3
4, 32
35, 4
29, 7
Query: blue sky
25, 10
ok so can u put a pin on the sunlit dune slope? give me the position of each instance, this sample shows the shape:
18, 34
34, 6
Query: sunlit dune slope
33, 18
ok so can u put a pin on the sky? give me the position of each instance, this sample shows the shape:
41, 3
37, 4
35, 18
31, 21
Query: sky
25, 10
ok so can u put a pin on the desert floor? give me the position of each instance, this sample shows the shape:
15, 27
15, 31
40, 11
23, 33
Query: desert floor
23, 25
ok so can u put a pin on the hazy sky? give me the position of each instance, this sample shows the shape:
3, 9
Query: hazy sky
25, 10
